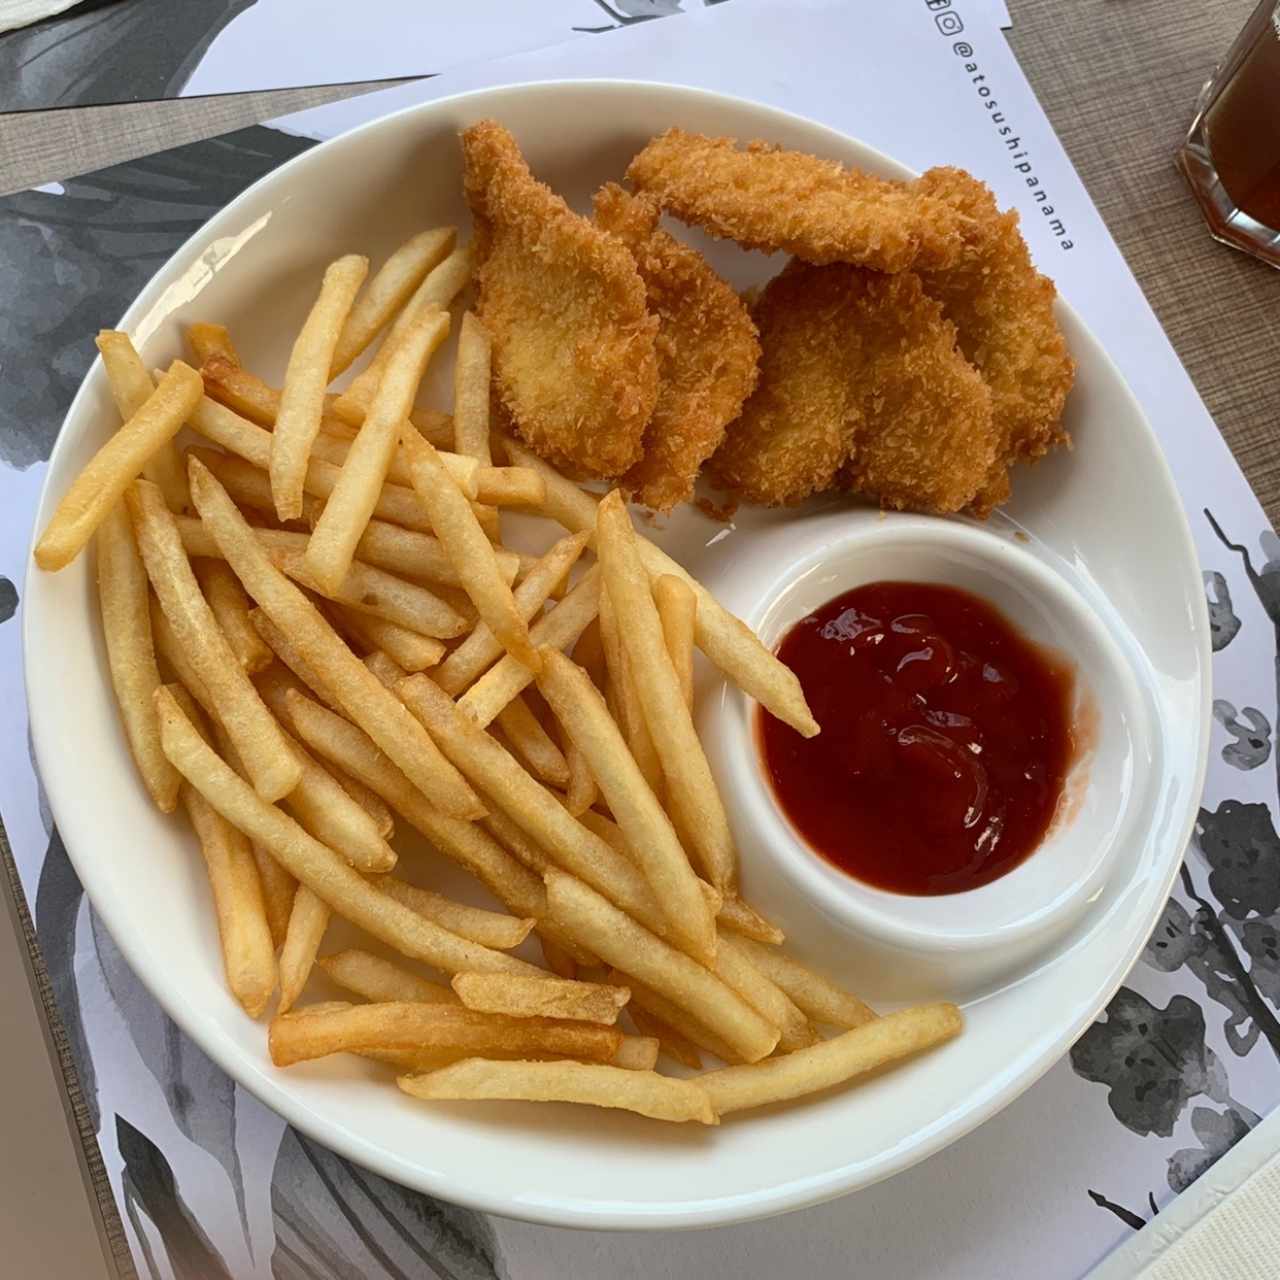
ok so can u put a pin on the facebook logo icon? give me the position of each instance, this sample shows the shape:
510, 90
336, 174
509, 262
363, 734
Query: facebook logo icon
938, 4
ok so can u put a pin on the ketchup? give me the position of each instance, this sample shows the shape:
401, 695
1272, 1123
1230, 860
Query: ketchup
946, 738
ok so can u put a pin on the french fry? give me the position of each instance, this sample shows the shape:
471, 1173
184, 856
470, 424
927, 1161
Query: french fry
509, 487
636, 1053
290, 656
558, 960
818, 997
331, 447
123, 599
678, 611
271, 764
470, 550
471, 391
305, 379
175, 657
645, 999
442, 285
409, 649
619, 940
118, 463
668, 1039
481, 648
540, 997
533, 744
131, 384
581, 792
248, 954
344, 677
311, 863
278, 890
380, 594
696, 806
743, 918
593, 1084
559, 628
736, 969
581, 710
414, 1025
625, 704
419, 555
209, 340
489, 928
350, 506
379, 980
728, 641
307, 923
831, 1062
391, 287
388, 671
231, 607
373, 805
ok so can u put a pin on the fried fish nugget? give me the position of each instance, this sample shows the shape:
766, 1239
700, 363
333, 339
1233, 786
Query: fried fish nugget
765, 197
860, 381
707, 351
1002, 308
573, 342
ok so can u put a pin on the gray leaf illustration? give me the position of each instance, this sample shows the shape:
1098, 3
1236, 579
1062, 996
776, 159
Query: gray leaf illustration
150, 1189
1251, 745
1260, 939
200, 1095
58, 897
1243, 852
124, 52
1217, 1132
8, 599
1172, 942
1223, 623
335, 1221
76, 260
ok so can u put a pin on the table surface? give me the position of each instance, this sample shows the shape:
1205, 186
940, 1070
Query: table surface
1117, 78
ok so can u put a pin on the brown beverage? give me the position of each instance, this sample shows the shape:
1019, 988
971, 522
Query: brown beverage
1243, 127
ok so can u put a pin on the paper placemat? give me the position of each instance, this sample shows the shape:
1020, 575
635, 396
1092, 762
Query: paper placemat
1186, 1058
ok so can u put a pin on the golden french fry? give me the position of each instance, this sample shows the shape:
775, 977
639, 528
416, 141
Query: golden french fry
471, 391
558, 960
743, 918
636, 1053
533, 744
668, 1039
489, 928
391, 287
832, 1062
419, 555
123, 600
470, 550
581, 791
412, 1025
625, 703
593, 1084
380, 594
172, 655
311, 863
686, 1028
278, 890
131, 384
344, 677
377, 979
209, 340
581, 710
289, 655
481, 648
231, 607
728, 641
735, 968
108, 475
509, 487
305, 379
696, 806
560, 628
410, 650
388, 671
308, 920
442, 285
619, 940
678, 610
818, 997
271, 764
350, 506
540, 997
330, 446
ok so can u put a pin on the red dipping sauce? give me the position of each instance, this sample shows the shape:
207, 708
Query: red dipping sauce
946, 738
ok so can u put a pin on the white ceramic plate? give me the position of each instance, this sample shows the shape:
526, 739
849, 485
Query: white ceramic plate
255, 267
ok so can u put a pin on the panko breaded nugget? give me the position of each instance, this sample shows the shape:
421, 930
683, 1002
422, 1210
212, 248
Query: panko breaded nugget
573, 342
768, 198
1002, 308
861, 384
707, 351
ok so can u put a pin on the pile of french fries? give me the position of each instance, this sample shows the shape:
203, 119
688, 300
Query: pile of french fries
315, 633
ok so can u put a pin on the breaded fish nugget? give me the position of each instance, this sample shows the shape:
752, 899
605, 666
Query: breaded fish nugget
768, 198
707, 351
573, 342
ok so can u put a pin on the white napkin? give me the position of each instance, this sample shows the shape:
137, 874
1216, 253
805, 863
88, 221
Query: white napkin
1226, 1225
21, 13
